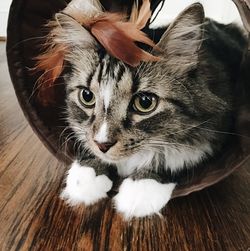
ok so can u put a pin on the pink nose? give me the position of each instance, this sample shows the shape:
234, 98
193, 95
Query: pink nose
104, 147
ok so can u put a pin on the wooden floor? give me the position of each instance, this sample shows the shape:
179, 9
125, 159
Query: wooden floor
32, 217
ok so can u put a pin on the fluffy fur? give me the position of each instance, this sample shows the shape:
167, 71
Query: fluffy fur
83, 186
140, 198
193, 85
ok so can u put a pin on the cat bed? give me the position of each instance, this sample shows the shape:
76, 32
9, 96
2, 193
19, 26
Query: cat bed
25, 34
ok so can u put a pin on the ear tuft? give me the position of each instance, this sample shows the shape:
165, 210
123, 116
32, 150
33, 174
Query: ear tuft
183, 38
190, 17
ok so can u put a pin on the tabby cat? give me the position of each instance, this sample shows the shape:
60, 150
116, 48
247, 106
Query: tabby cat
149, 119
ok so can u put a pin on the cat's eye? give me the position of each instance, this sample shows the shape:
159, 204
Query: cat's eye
87, 98
145, 103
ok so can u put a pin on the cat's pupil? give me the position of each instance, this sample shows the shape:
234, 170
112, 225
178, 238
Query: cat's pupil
87, 95
145, 102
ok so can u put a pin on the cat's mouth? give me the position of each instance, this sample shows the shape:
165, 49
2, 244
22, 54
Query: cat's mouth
112, 155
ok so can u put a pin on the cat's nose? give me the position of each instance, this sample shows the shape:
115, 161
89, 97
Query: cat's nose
104, 147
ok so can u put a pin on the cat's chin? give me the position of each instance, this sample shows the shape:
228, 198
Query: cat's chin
108, 158
112, 159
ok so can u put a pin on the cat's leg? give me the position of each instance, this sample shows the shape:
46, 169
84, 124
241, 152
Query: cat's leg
85, 184
142, 195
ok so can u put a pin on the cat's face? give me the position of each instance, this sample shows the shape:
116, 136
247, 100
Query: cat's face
117, 111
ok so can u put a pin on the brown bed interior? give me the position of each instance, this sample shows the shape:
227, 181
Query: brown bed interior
25, 35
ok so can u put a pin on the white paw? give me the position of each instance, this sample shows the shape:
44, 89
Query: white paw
140, 198
83, 186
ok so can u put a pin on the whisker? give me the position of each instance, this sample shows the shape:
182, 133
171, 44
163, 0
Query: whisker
224, 132
164, 144
26, 40
192, 127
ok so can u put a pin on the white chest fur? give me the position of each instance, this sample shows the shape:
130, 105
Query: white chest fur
174, 159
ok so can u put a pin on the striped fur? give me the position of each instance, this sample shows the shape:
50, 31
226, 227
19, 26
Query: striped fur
192, 107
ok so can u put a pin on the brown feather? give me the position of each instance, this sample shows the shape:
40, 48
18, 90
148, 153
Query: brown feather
119, 37
143, 15
134, 13
51, 64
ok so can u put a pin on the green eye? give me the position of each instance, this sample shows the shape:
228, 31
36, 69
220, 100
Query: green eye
145, 102
87, 98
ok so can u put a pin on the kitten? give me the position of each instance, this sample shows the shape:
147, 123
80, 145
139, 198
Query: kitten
148, 120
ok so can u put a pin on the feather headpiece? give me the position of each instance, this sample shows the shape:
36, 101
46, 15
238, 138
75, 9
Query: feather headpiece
117, 35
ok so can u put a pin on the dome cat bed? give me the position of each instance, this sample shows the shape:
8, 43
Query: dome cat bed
25, 34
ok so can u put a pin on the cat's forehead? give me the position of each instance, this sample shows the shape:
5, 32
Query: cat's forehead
104, 73
116, 74
101, 72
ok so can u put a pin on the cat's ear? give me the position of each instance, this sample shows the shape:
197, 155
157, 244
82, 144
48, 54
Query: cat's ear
183, 38
69, 32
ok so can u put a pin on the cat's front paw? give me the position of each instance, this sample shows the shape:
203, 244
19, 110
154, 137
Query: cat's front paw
83, 186
140, 198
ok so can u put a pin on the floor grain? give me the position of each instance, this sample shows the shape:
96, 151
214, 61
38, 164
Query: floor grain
32, 217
